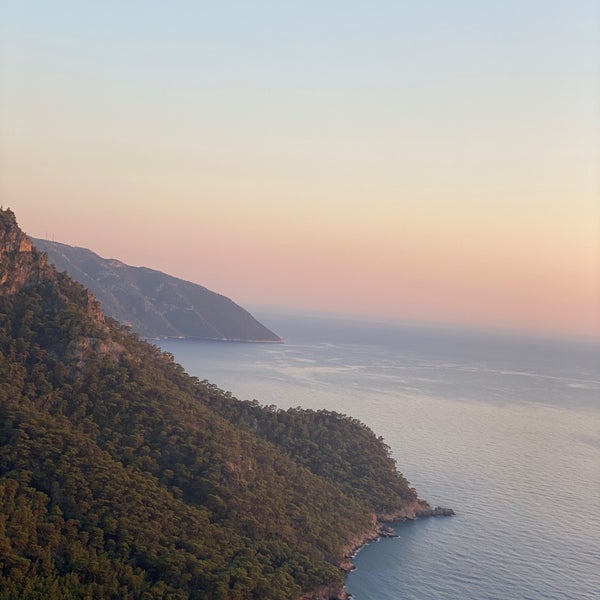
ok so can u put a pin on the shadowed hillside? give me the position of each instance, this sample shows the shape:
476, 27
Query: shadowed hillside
153, 303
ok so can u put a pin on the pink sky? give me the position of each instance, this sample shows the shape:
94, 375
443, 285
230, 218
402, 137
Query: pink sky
373, 163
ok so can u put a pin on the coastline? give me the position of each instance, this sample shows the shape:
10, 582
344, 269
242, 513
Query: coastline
209, 339
413, 510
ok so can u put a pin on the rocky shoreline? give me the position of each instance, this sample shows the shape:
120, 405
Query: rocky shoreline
413, 510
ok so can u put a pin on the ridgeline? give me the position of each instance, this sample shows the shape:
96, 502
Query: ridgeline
123, 477
155, 304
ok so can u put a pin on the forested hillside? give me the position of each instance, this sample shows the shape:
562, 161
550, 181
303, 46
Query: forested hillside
123, 477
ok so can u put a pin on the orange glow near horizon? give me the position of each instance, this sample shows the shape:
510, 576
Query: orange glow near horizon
315, 172
546, 283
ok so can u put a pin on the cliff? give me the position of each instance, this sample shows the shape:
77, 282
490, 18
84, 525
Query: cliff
20, 265
155, 304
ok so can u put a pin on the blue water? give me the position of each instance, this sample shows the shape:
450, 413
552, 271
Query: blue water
505, 430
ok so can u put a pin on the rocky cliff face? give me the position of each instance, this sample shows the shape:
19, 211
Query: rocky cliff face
21, 265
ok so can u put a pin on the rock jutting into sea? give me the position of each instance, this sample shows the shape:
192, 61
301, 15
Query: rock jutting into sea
413, 510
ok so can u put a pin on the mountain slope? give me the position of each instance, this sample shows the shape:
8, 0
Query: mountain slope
153, 303
123, 477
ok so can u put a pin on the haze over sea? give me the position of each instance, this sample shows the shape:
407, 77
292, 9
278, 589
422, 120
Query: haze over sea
505, 430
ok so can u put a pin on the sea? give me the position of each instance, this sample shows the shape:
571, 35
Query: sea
504, 429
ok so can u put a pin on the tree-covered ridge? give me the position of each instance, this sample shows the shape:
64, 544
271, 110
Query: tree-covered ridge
123, 477
334, 446
112, 445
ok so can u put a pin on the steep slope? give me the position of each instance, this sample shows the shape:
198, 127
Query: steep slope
123, 477
153, 303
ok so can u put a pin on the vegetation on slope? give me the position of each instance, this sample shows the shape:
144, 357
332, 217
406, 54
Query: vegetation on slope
123, 477
334, 446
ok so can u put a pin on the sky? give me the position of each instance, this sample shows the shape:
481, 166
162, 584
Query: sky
425, 161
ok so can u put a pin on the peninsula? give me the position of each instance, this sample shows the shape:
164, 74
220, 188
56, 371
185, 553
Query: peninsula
121, 476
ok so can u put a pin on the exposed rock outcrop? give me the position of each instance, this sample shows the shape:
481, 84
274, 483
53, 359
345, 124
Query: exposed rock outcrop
412, 510
326, 593
20, 264
415, 509
23, 266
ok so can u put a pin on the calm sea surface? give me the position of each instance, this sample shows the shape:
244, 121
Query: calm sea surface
504, 430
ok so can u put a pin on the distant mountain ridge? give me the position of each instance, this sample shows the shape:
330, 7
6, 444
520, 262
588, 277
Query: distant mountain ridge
153, 303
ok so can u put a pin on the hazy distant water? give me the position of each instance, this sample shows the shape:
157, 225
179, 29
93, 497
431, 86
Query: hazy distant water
504, 430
